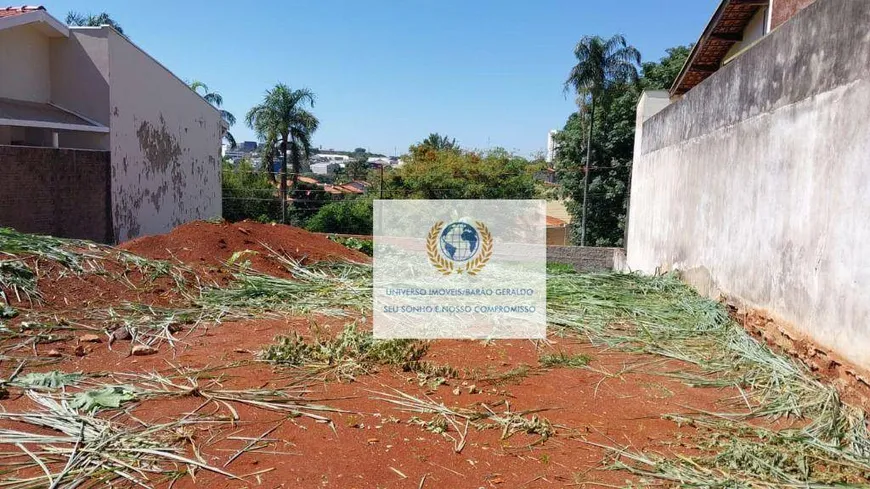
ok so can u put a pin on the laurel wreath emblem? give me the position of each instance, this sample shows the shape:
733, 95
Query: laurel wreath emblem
445, 266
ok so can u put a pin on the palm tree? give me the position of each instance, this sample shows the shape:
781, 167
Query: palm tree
438, 142
283, 116
90, 20
217, 101
601, 64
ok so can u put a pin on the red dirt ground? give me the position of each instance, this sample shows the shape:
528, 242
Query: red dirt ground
613, 403
616, 401
200, 242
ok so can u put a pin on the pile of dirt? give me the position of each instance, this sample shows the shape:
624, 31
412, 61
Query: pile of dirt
200, 242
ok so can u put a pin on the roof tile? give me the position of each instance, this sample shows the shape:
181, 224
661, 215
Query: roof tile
13, 11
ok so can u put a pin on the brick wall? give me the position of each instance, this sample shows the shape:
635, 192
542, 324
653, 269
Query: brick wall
785, 9
61, 192
587, 258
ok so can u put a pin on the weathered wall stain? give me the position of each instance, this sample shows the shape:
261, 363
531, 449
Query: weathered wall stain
168, 139
159, 146
758, 178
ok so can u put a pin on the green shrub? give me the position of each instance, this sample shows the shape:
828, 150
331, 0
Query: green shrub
362, 245
345, 217
248, 194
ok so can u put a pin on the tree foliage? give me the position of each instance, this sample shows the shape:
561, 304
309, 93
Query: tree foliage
248, 194
307, 199
352, 216
662, 74
438, 142
602, 65
217, 101
612, 152
357, 168
448, 173
283, 116
91, 20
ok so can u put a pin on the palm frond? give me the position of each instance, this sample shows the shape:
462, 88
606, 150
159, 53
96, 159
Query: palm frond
230, 139
283, 115
229, 117
601, 63
214, 99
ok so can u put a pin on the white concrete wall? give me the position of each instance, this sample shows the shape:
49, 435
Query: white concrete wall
651, 103
756, 184
80, 73
24, 64
165, 143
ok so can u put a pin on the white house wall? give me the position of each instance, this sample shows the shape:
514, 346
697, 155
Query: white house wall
165, 144
24, 64
80, 73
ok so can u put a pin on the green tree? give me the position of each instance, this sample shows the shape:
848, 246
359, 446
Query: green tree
438, 142
455, 174
307, 199
247, 193
601, 65
284, 116
662, 74
217, 101
358, 168
613, 144
91, 20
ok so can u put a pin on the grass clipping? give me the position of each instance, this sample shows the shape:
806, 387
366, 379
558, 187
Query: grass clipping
82, 449
350, 353
662, 316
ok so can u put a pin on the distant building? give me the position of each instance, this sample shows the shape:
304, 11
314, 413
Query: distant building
240, 151
247, 146
322, 157
383, 161
326, 168
557, 231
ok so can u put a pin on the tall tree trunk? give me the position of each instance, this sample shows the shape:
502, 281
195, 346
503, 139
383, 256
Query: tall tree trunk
586, 175
284, 180
294, 150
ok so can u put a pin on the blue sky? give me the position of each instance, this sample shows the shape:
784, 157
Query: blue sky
387, 73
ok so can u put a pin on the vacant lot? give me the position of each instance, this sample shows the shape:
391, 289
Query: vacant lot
239, 355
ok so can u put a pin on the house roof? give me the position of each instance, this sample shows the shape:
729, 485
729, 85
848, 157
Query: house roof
555, 222
724, 31
349, 188
32, 15
33, 114
308, 180
11, 11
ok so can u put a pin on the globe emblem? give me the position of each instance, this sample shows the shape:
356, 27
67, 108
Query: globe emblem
459, 241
